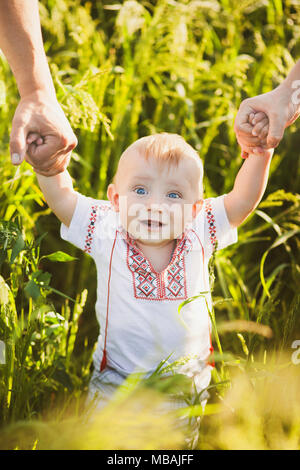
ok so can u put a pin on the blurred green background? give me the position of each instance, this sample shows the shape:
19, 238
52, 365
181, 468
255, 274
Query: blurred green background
123, 70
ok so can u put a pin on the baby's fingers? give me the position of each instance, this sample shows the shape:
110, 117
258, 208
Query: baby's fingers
34, 137
258, 117
264, 132
259, 126
254, 118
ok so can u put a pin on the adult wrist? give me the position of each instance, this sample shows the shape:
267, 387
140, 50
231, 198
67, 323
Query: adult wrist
40, 95
37, 80
289, 92
288, 95
284, 90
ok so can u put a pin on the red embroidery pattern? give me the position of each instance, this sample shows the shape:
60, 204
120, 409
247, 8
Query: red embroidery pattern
176, 285
211, 224
91, 229
169, 284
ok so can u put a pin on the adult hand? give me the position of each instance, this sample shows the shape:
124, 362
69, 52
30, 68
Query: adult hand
281, 111
41, 134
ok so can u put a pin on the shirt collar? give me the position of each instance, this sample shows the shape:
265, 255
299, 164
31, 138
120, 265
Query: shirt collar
184, 243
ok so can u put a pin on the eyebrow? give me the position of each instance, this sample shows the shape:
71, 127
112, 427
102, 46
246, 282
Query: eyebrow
139, 178
149, 178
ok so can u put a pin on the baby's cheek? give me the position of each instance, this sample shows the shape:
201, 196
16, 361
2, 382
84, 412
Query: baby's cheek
124, 219
177, 224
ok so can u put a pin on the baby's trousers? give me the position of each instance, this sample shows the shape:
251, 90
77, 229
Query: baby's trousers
104, 384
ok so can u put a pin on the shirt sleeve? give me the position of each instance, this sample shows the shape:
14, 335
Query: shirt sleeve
84, 225
218, 233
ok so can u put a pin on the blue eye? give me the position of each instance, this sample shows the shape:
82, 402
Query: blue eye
175, 195
140, 191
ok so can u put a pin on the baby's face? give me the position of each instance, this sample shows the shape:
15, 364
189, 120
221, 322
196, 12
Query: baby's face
156, 201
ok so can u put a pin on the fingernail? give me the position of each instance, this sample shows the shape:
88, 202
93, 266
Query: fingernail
15, 158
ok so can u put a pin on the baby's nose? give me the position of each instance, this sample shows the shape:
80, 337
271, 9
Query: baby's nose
154, 207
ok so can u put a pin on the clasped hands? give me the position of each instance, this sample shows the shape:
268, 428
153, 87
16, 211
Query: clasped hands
261, 120
42, 135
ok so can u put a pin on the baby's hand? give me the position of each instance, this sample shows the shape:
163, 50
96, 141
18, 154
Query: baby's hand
260, 123
34, 144
260, 129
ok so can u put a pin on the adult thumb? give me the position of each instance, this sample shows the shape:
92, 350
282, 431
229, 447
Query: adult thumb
276, 130
17, 143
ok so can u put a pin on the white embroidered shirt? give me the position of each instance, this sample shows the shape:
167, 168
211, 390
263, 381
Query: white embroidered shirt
137, 307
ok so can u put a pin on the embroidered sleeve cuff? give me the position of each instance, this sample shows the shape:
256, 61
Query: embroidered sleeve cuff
226, 234
75, 233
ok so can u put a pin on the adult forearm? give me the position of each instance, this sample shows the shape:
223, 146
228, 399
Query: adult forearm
293, 75
22, 44
290, 87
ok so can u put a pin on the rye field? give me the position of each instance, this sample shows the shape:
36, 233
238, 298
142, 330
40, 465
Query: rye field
123, 70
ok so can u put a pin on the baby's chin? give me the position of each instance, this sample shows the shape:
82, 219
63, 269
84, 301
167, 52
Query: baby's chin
154, 237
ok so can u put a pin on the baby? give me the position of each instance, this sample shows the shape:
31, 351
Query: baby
151, 242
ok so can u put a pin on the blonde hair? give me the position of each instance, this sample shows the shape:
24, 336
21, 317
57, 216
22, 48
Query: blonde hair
166, 148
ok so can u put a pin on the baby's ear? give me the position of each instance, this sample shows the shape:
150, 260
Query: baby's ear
197, 206
113, 196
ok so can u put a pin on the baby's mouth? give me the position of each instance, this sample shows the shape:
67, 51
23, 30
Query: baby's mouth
152, 223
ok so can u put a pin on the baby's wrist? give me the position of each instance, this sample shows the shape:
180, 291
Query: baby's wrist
262, 152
